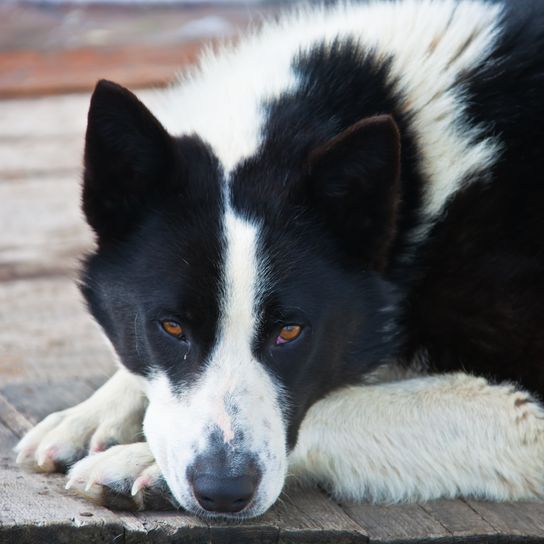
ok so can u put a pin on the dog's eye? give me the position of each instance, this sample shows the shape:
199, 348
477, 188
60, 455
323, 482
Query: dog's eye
288, 333
172, 328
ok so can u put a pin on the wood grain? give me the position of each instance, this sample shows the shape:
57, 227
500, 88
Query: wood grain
523, 522
404, 523
461, 521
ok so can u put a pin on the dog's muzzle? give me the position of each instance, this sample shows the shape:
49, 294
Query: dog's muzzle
224, 480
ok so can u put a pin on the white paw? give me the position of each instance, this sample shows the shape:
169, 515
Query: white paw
109, 417
123, 477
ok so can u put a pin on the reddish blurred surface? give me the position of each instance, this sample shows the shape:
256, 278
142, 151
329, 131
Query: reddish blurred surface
59, 49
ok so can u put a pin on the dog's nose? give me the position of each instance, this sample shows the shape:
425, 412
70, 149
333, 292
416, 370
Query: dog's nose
227, 495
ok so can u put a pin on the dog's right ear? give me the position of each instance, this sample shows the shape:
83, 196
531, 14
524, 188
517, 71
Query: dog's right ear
129, 159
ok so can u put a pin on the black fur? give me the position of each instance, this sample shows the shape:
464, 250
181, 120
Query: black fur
337, 204
479, 300
158, 229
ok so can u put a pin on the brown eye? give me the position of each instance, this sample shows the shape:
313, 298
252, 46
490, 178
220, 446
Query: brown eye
288, 333
172, 328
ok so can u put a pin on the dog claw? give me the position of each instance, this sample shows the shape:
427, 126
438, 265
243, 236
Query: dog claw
139, 484
45, 459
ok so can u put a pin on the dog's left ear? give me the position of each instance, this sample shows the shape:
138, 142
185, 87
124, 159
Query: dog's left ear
128, 162
354, 185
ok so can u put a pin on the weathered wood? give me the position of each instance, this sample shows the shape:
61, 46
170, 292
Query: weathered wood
67, 48
35, 508
44, 138
398, 523
43, 230
46, 335
56, 118
163, 528
40, 156
46, 117
515, 522
303, 512
12, 419
35, 400
461, 521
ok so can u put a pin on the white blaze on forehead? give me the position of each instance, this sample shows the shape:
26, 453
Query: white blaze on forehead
241, 290
241, 279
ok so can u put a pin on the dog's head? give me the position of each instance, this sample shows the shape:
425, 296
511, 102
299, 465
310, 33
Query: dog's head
242, 297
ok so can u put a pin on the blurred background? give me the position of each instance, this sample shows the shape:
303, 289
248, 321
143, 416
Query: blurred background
62, 46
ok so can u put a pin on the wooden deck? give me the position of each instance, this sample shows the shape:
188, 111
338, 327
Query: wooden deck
65, 48
51, 356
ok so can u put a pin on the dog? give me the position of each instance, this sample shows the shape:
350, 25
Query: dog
321, 254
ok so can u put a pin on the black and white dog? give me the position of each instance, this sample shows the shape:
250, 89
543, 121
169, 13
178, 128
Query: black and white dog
322, 254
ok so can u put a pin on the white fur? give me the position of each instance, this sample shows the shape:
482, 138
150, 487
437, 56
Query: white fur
409, 439
431, 43
125, 469
424, 438
233, 394
113, 414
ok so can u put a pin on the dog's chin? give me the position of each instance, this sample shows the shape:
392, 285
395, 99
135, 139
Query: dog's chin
249, 512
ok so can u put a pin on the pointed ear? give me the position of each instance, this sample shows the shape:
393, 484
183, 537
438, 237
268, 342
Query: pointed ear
354, 184
128, 161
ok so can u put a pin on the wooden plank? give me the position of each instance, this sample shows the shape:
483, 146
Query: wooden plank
12, 419
301, 515
35, 508
79, 69
164, 527
43, 230
40, 510
398, 523
52, 117
515, 522
47, 335
39, 156
67, 48
307, 515
44, 138
49, 117
461, 521
35, 400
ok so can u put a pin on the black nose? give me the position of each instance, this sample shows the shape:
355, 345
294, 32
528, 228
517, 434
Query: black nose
224, 494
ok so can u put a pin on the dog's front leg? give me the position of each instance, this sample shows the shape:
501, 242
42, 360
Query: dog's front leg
104, 433
112, 415
424, 438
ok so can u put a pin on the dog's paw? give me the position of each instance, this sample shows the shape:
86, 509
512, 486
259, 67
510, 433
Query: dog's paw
107, 418
124, 477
